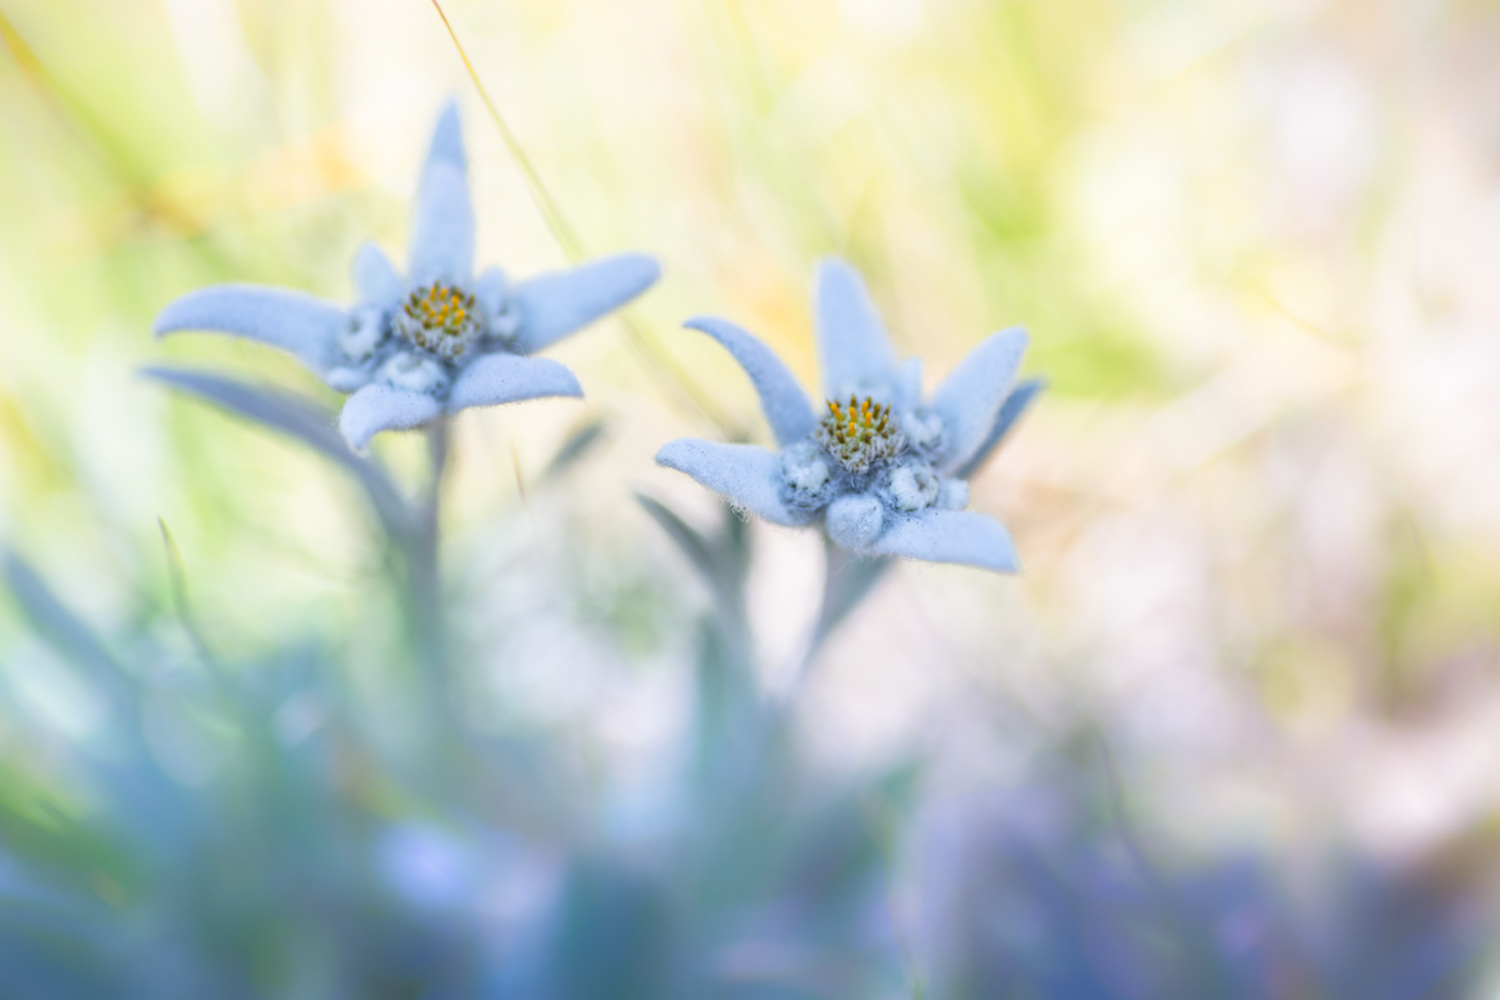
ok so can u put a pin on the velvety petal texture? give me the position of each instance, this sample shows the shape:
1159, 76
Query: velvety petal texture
908, 383
853, 347
489, 288
748, 475
552, 306
442, 242
970, 397
293, 321
509, 378
854, 522
784, 403
376, 281
1015, 405
378, 407
951, 536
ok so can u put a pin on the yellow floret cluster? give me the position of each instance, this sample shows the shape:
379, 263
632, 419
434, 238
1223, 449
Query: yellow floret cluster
860, 434
441, 319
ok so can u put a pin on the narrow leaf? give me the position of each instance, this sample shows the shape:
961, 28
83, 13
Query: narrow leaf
296, 417
56, 621
699, 551
581, 442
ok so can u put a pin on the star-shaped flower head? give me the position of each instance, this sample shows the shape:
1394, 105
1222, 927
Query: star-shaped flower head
437, 340
882, 470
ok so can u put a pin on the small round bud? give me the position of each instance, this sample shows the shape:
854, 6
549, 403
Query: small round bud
804, 467
414, 373
505, 322
953, 494
364, 333
345, 379
855, 521
911, 487
924, 429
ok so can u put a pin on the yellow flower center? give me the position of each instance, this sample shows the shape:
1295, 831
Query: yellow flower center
441, 319
860, 434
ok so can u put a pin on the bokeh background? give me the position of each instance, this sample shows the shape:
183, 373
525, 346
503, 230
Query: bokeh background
1235, 730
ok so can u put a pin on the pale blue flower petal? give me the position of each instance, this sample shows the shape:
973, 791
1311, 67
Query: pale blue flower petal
376, 281
951, 536
489, 289
497, 378
853, 348
448, 140
748, 475
1016, 404
970, 397
552, 306
293, 321
854, 521
908, 389
781, 397
379, 407
442, 242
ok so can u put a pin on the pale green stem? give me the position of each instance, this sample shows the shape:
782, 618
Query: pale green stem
424, 597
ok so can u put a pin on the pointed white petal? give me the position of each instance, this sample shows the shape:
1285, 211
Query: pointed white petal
908, 388
853, 347
1016, 404
971, 395
489, 288
781, 397
447, 144
293, 321
442, 241
748, 475
951, 536
378, 407
552, 306
497, 378
376, 281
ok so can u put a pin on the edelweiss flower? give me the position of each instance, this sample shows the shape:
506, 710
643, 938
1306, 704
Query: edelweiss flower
883, 471
437, 341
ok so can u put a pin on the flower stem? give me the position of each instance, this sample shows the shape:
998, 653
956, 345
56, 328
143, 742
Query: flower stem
848, 581
424, 579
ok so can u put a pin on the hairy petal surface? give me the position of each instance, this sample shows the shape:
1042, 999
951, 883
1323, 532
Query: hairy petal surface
293, 321
854, 521
785, 405
448, 140
376, 281
489, 288
509, 378
378, 407
970, 397
951, 536
747, 474
1016, 404
853, 348
551, 306
908, 383
442, 242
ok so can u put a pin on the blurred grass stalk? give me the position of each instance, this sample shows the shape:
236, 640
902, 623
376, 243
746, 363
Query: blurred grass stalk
671, 375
